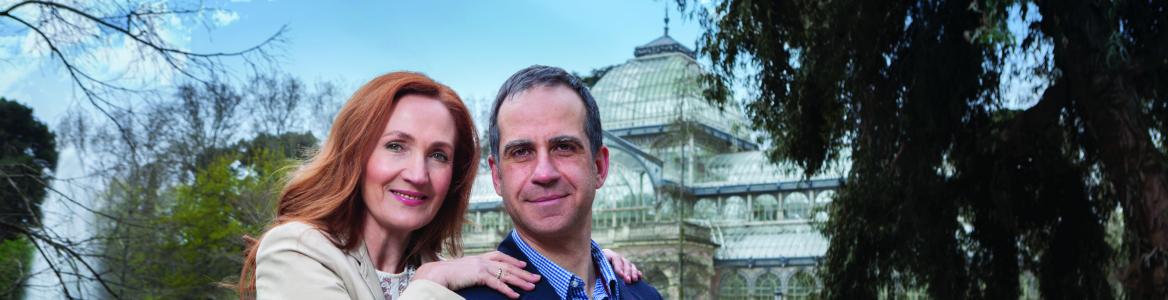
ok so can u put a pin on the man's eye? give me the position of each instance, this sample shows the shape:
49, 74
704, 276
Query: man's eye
565, 148
520, 152
439, 156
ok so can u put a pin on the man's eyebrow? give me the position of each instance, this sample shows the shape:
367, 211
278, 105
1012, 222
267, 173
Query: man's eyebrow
516, 144
565, 139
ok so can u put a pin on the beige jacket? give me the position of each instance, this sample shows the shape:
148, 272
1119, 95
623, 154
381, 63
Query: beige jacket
297, 261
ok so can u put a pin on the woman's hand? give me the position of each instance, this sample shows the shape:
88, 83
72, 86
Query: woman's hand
493, 269
622, 266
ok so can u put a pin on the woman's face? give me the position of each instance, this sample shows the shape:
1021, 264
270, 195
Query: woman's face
408, 174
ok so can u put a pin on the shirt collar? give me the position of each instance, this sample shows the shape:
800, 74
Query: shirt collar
559, 278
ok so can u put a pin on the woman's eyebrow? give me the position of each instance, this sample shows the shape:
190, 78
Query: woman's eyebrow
441, 144
400, 134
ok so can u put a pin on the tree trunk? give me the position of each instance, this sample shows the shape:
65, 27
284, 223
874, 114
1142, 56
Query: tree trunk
1133, 167
1116, 134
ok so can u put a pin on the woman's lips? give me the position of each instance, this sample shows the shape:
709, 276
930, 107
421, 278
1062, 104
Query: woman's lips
409, 198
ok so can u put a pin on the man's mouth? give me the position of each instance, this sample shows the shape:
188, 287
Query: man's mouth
547, 198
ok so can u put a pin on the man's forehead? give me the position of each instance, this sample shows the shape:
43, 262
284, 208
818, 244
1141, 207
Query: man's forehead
532, 132
541, 107
536, 86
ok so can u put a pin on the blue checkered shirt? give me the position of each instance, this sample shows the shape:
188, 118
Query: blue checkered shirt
568, 285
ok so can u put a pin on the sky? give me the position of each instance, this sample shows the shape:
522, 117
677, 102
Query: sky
472, 46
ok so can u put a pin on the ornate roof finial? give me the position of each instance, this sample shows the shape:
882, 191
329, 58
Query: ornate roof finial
663, 44
666, 18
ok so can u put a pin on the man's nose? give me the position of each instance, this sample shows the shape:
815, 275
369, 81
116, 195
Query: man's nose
545, 171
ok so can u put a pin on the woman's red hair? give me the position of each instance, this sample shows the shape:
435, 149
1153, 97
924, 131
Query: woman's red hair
326, 190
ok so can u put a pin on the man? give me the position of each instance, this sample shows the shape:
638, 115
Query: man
547, 161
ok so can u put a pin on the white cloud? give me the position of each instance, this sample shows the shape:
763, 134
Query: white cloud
223, 18
103, 55
13, 73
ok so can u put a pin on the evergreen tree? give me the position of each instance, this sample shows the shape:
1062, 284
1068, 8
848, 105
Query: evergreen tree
950, 190
28, 152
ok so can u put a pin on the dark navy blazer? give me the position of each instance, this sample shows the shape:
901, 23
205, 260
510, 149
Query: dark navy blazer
640, 290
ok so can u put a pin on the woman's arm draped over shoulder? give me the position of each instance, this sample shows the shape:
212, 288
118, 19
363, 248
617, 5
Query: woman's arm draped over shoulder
421, 289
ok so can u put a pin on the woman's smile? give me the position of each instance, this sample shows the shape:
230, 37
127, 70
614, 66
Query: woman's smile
409, 198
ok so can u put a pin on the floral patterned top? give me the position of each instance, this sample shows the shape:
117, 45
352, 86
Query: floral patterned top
394, 284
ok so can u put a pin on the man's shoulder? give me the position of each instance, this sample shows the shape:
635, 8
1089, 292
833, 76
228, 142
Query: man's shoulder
641, 290
507, 246
481, 292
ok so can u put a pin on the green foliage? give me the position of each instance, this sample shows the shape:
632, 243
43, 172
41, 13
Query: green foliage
28, 149
289, 145
15, 261
192, 243
211, 216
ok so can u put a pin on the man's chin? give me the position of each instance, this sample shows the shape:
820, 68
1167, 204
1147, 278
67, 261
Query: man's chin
548, 227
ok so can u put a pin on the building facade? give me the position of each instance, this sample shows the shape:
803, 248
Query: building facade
690, 198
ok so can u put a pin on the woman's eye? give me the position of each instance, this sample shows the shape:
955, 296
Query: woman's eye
439, 156
394, 146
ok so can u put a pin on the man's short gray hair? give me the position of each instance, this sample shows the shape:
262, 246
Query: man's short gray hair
538, 76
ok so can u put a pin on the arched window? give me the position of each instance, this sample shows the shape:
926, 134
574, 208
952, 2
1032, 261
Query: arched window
705, 209
766, 208
824, 197
796, 206
696, 283
735, 209
800, 286
765, 287
732, 287
822, 203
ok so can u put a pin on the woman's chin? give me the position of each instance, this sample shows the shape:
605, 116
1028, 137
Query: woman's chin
408, 224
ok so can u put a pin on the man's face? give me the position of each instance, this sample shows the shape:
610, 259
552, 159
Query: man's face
546, 171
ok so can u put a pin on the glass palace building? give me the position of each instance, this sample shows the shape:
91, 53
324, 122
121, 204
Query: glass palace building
690, 198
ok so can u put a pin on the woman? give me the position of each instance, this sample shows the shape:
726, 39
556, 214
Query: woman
368, 215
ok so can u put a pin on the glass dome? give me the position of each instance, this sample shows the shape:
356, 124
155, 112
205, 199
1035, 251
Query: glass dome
658, 89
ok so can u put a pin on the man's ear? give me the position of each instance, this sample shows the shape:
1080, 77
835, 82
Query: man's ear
496, 174
601, 160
